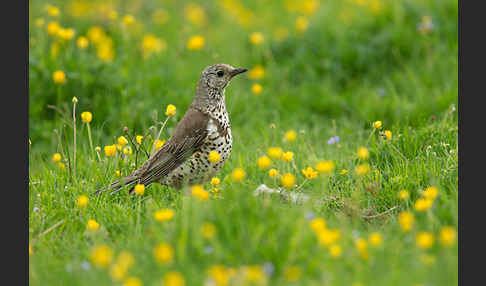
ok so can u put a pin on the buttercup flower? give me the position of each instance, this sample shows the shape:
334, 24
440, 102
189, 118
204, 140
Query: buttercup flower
139, 139
128, 20
287, 180
256, 73
424, 239
92, 225
324, 167
273, 173
56, 157
170, 110
377, 124
122, 140
110, 150
290, 135
430, 193
363, 153
59, 77
388, 134
53, 28
214, 156
86, 117
328, 236
264, 162
127, 150
447, 236
173, 278
238, 174
406, 220
375, 239
159, 144
164, 253
195, 43
82, 201
164, 215
101, 256
82, 42
309, 173
256, 38
215, 181
66, 34
403, 195
301, 24
362, 169
343, 172
287, 156
52, 11
199, 192
422, 204
139, 189
318, 224
132, 281
275, 152
335, 250
257, 89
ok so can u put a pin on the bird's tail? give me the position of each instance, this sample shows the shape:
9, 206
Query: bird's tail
118, 185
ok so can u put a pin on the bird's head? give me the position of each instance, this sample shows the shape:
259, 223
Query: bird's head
218, 76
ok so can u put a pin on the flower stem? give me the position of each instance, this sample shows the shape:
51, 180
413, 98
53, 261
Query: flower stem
158, 136
74, 135
90, 140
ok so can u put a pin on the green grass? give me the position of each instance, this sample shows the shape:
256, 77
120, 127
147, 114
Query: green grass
334, 79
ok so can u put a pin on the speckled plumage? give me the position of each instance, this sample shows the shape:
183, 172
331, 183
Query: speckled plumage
205, 127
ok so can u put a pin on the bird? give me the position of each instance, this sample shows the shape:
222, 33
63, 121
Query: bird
205, 127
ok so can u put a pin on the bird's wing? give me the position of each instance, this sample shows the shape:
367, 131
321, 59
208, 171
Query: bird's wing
188, 136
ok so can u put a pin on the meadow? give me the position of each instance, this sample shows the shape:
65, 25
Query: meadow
347, 115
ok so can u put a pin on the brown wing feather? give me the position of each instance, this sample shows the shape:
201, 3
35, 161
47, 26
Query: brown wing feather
188, 137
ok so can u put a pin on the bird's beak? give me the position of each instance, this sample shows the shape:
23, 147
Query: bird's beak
237, 71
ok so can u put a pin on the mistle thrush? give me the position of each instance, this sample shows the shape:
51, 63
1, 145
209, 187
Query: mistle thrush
205, 127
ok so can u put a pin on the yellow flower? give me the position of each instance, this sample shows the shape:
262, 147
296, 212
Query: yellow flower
361, 244
318, 224
287, 180
388, 134
132, 281
208, 230
128, 19
287, 156
159, 144
309, 173
264, 162
82, 42
343, 172
56, 157
59, 77
254, 273
256, 38
257, 72
403, 195
363, 153
101, 256
275, 152
406, 220
362, 169
104, 49
82, 201
164, 215
199, 192
139, 139
173, 278
424, 239
170, 110
257, 89
375, 239
66, 34
215, 181
139, 189
113, 15
61, 165
86, 117
273, 173
422, 204
430, 193
290, 136
238, 174
324, 167
335, 250
328, 236
292, 273
117, 272
194, 13
301, 24
52, 11
447, 236
53, 28
127, 150
164, 253
377, 124
110, 150
95, 34
125, 259
122, 140
214, 156
195, 43
92, 225
31, 251
220, 274
152, 45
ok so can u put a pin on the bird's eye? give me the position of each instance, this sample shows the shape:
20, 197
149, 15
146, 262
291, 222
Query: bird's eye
220, 73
